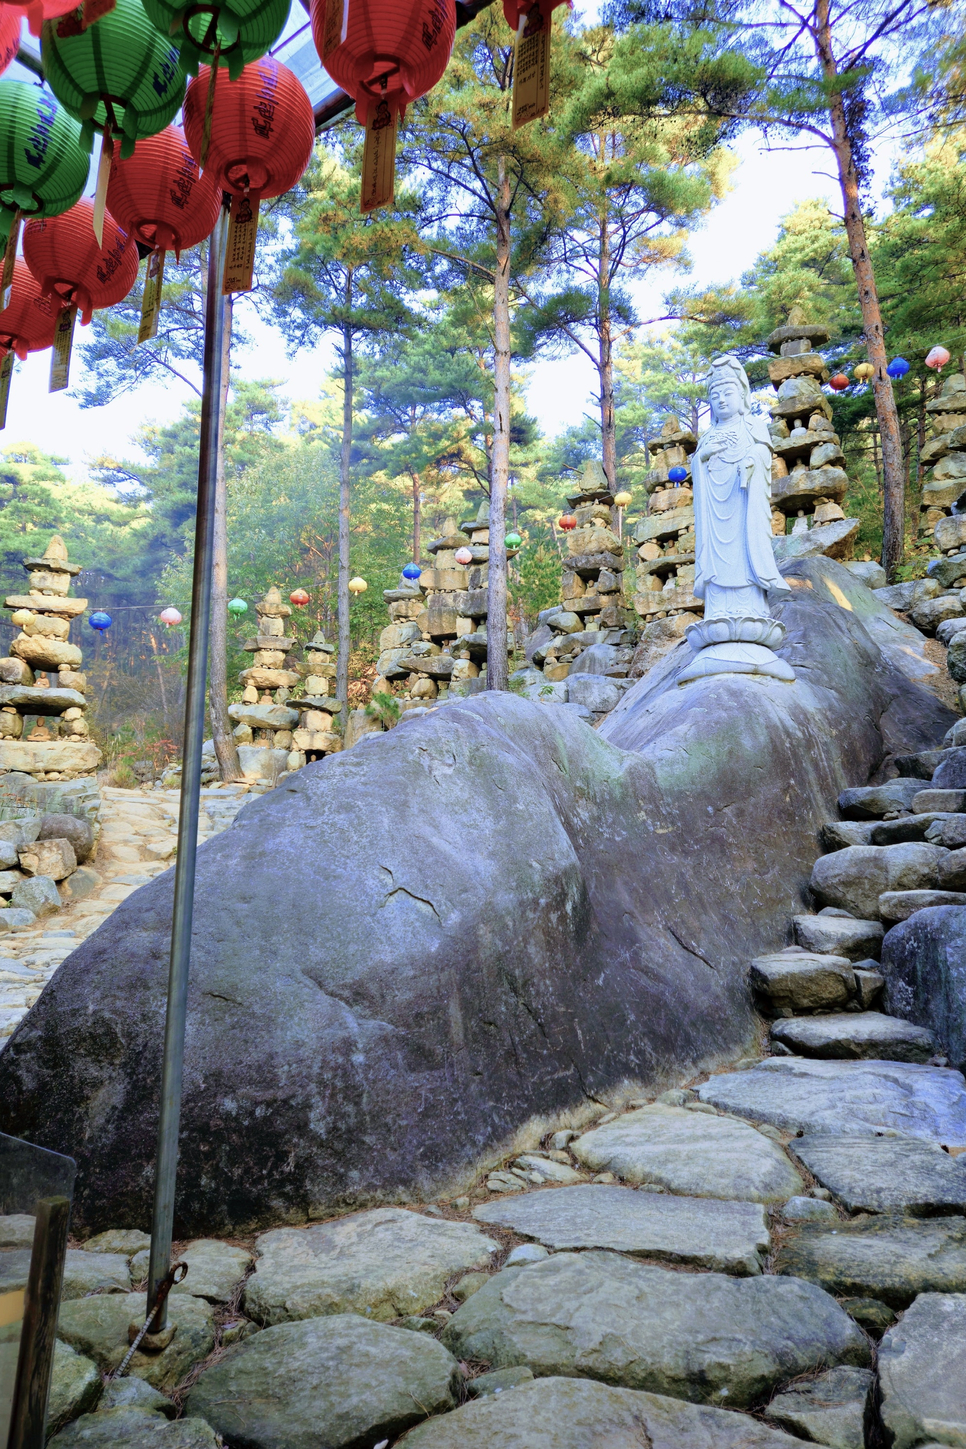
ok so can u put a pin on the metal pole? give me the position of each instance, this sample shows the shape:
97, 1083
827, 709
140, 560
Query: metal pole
166, 1168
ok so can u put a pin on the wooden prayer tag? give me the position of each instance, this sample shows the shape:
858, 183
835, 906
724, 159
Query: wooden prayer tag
103, 176
60, 356
333, 26
6, 373
240, 255
9, 256
151, 297
379, 159
531, 68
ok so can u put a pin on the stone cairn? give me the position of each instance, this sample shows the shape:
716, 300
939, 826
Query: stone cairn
664, 598
267, 718
43, 732
808, 479
944, 487
436, 644
592, 607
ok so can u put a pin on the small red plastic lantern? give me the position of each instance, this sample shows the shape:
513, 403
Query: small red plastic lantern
384, 54
37, 11
839, 382
64, 256
937, 358
299, 598
567, 522
27, 322
261, 137
170, 617
10, 23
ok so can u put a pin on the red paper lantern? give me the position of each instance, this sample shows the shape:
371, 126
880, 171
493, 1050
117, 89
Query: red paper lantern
27, 323
262, 129
299, 598
160, 195
567, 522
37, 11
384, 50
10, 23
839, 382
63, 254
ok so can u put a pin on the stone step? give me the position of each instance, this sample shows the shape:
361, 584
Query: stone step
886, 1174
839, 934
887, 1259
798, 980
855, 1036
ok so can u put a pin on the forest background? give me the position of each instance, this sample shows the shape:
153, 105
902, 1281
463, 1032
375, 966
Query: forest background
573, 213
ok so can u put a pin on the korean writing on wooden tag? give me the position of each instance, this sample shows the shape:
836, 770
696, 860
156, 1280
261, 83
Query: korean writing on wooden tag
9, 256
379, 158
240, 253
334, 22
63, 342
151, 298
531, 68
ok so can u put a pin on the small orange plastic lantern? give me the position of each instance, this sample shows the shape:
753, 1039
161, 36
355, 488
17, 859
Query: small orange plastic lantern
839, 382
262, 131
567, 522
384, 54
78, 274
532, 21
299, 598
26, 325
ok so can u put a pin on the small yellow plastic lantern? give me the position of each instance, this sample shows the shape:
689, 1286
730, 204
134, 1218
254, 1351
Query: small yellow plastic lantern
357, 586
863, 371
622, 499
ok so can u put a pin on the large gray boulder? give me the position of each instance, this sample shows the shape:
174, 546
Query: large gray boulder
922, 1366
924, 965
414, 952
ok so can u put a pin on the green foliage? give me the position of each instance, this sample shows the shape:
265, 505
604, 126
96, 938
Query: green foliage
384, 708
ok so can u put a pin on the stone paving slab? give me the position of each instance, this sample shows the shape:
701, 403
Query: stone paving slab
692, 1153
839, 935
566, 1413
98, 1328
385, 1263
705, 1337
922, 1372
802, 1095
855, 1036
886, 1174
730, 1237
889, 1259
833, 1409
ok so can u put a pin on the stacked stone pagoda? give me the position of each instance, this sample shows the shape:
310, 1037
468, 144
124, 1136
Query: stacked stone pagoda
809, 481
665, 537
263, 719
43, 731
437, 641
944, 485
318, 708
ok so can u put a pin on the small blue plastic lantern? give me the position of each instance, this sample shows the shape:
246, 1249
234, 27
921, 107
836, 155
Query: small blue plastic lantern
412, 571
898, 367
678, 474
100, 621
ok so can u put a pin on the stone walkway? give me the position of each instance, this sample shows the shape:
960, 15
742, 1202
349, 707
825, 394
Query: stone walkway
770, 1254
138, 839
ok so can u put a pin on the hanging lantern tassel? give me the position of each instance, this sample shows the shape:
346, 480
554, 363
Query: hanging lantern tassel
6, 373
379, 157
240, 251
9, 256
63, 343
151, 297
103, 176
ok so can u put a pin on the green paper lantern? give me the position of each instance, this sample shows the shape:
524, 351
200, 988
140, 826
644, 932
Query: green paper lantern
119, 69
43, 169
513, 540
245, 30
237, 606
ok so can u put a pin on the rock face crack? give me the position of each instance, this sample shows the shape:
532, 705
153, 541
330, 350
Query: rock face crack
402, 891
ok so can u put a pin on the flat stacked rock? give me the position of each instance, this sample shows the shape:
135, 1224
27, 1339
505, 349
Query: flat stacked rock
264, 720
43, 731
808, 475
664, 597
315, 736
944, 455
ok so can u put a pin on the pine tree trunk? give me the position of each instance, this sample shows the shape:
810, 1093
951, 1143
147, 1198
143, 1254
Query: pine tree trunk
496, 593
417, 520
221, 725
893, 534
605, 366
342, 667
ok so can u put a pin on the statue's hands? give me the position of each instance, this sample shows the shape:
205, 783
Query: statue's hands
709, 446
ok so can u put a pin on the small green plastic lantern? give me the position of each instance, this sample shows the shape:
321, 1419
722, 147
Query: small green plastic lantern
43, 170
119, 70
242, 31
237, 606
513, 540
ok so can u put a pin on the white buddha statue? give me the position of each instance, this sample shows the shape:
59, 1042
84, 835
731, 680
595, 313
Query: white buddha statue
734, 560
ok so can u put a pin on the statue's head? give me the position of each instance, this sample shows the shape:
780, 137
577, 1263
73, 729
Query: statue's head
729, 391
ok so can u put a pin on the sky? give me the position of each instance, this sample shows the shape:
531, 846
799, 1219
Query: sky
766, 185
